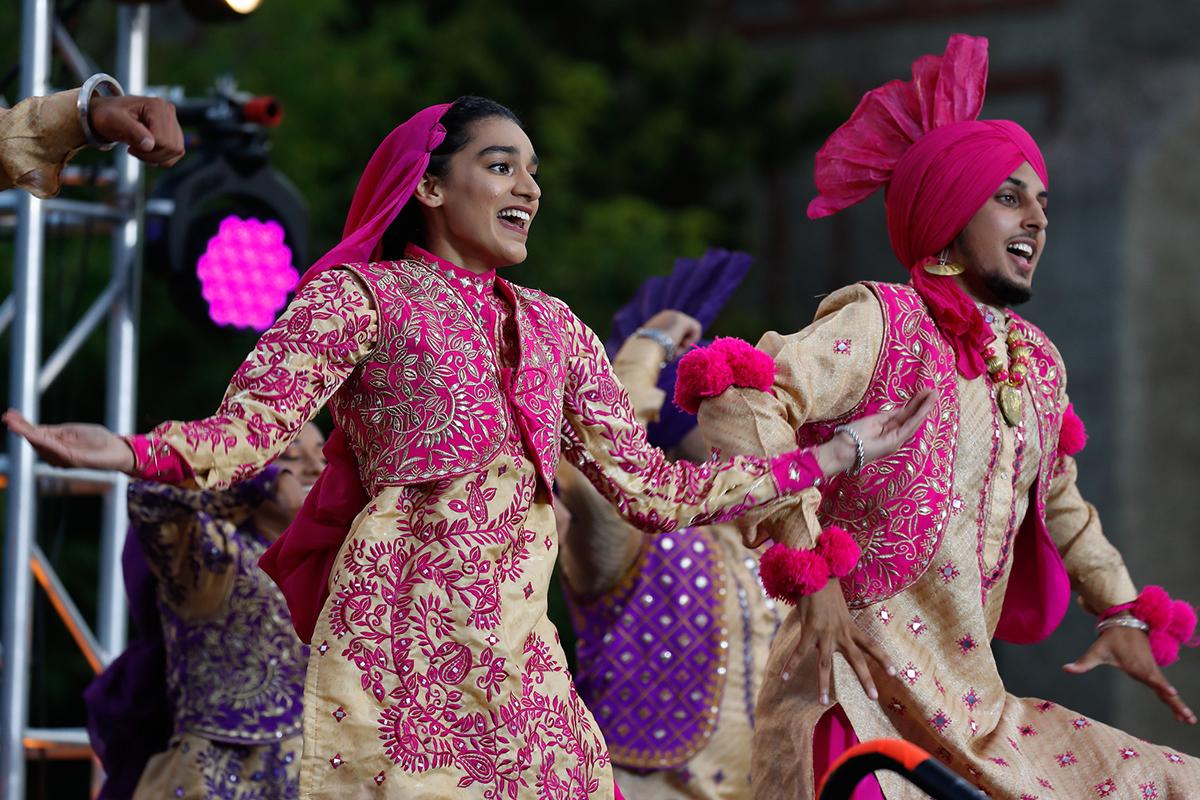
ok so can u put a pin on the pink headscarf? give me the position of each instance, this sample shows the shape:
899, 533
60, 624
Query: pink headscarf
301, 560
921, 141
386, 185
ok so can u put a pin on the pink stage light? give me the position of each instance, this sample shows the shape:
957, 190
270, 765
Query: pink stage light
246, 273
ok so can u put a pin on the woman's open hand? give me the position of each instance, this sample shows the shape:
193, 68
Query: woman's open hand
826, 627
882, 434
73, 444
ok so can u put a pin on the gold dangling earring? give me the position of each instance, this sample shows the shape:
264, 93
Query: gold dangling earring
944, 267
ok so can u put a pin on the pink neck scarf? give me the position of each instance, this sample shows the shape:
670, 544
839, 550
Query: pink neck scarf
921, 141
301, 560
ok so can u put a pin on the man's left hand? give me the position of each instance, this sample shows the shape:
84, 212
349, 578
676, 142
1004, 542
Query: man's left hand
147, 124
1128, 649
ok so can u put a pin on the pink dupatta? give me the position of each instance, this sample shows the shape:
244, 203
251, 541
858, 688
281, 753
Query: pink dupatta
301, 560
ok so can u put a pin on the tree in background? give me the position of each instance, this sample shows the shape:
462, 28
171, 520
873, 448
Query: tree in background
651, 129
648, 128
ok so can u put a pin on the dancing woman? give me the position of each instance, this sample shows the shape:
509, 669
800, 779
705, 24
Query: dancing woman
419, 565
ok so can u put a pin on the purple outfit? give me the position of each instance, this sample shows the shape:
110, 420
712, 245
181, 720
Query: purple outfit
221, 662
651, 661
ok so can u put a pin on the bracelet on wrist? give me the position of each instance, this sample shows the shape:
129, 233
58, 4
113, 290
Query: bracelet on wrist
1170, 624
1122, 622
660, 337
83, 104
860, 449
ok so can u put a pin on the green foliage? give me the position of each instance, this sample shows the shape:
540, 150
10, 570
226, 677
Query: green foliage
644, 126
649, 126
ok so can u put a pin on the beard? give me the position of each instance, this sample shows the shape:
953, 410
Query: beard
990, 286
1007, 293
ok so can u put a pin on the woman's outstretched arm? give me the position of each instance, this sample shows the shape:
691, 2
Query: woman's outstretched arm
292, 372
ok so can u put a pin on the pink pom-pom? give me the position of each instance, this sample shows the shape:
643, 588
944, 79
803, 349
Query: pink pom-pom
709, 371
1164, 648
839, 550
1182, 624
702, 373
1153, 606
788, 573
1073, 436
752, 368
1172, 622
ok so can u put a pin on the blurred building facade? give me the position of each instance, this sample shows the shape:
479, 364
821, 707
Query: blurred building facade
1112, 93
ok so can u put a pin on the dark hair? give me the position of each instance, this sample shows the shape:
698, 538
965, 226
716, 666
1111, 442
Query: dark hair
458, 121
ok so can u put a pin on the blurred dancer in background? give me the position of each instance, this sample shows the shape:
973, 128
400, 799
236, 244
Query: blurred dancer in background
672, 631
206, 702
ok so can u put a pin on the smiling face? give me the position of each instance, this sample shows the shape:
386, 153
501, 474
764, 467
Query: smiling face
1001, 246
478, 214
303, 457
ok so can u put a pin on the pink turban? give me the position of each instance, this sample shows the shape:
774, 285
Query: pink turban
920, 140
301, 560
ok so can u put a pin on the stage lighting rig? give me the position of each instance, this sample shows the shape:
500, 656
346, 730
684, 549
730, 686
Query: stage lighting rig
227, 228
219, 10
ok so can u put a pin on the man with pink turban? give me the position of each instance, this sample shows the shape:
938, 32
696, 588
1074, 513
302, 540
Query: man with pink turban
975, 527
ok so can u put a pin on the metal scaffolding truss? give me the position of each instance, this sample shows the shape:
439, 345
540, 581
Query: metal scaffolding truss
24, 561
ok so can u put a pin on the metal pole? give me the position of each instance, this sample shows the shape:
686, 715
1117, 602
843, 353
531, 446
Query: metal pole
21, 513
133, 29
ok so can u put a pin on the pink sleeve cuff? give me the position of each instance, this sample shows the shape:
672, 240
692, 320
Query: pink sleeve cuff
157, 461
709, 371
797, 470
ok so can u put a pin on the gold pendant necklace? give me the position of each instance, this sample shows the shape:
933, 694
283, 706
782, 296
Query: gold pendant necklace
1011, 381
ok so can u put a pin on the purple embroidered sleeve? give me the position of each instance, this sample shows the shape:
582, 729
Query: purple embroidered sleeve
603, 439
297, 365
185, 537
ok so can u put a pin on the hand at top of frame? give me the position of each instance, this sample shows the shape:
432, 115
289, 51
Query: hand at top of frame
78, 445
1128, 650
147, 124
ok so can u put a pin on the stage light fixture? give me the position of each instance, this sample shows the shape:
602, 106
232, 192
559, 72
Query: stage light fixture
220, 10
226, 228
246, 273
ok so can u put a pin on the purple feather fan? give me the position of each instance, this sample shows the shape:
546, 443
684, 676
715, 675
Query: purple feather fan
697, 287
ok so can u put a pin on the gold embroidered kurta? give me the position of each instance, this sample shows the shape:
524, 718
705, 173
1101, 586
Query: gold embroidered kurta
435, 672
948, 696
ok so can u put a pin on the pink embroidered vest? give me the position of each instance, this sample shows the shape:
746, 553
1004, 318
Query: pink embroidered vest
432, 401
898, 507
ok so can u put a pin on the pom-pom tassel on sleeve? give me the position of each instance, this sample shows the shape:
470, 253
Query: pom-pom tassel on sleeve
709, 371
